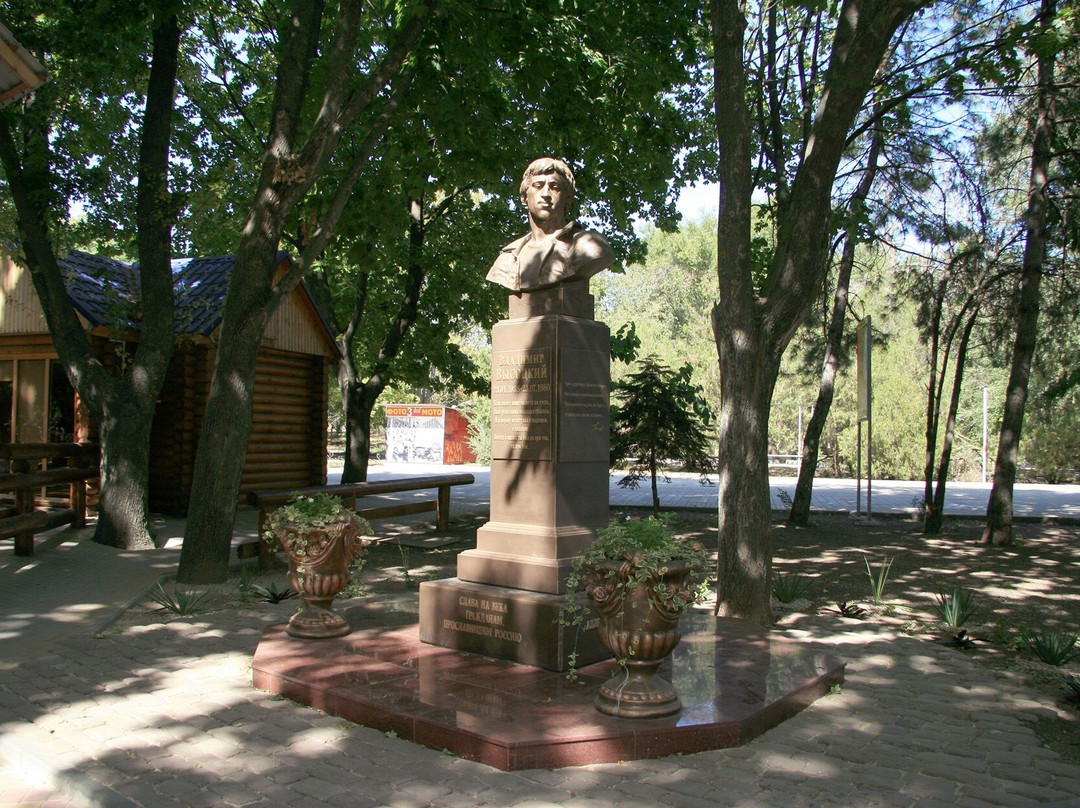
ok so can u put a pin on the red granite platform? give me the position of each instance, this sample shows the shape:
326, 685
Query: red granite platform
735, 681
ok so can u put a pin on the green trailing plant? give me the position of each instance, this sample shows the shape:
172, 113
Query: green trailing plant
354, 588
271, 594
1053, 647
955, 608
306, 512
182, 602
789, 588
647, 547
878, 578
852, 610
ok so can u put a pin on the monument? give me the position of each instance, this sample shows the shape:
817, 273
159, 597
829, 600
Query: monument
550, 423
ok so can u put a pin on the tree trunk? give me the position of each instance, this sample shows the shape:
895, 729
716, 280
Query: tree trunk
655, 490
122, 407
361, 403
289, 170
125, 475
752, 327
933, 396
935, 510
999, 510
744, 564
360, 397
804, 488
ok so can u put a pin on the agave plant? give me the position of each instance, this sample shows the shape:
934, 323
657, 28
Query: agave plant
1053, 647
183, 602
956, 608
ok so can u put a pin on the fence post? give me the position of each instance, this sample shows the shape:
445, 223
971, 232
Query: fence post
77, 496
24, 503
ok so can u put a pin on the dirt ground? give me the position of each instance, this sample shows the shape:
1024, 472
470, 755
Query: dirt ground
1031, 587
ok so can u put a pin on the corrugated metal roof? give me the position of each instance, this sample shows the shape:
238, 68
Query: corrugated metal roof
106, 291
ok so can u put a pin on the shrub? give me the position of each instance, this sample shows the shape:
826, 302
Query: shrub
956, 608
788, 588
1053, 647
878, 578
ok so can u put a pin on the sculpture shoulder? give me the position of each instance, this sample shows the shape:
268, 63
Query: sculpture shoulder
590, 252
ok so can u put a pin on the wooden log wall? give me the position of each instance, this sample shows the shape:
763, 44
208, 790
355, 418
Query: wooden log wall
288, 430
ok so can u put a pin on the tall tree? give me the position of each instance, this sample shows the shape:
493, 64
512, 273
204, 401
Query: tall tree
755, 318
999, 509
530, 94
800, 503
123, 407
356, 105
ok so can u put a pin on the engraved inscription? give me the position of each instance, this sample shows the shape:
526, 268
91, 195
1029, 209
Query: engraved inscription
585, 400
584, 416
521, 404
484, 617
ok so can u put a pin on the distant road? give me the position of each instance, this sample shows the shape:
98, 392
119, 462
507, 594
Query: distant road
832, 495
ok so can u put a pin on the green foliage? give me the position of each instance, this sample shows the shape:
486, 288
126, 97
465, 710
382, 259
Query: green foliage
660, 418
1050, 444
479, 429
649, 545
304, 512
664, 302
182, 602
789, 588
1053, 647
271, 594
310, 510
878, 578
956, 608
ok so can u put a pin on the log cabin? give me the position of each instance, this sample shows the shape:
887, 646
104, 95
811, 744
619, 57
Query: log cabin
289, 413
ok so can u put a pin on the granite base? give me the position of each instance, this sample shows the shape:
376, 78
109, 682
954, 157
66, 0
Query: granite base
735, 680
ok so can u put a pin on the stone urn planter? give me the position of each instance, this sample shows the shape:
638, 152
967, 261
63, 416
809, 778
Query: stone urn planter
322, 538
640, 579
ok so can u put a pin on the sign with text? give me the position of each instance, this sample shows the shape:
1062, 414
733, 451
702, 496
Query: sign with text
414, 433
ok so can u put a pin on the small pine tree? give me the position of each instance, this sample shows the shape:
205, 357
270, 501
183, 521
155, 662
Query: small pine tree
660, 419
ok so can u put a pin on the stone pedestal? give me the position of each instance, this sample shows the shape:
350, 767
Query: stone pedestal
549, 485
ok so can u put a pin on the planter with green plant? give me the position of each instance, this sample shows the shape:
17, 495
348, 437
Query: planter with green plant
640, 578
322, 537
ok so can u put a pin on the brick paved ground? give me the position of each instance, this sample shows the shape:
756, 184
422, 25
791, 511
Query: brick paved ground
164, 715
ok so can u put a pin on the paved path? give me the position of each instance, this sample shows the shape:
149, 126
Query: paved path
831, 495
164, 715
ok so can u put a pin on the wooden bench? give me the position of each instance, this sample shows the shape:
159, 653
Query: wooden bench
23, 521
267, 501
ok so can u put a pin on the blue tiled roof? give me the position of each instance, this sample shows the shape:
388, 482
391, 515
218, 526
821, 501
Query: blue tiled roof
106, 291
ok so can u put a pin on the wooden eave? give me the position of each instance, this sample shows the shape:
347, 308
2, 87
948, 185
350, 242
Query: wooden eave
20, 72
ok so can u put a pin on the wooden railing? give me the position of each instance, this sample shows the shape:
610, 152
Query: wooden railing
24, 479
266, 501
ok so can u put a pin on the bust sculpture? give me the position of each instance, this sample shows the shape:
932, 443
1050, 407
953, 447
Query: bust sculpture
554, 250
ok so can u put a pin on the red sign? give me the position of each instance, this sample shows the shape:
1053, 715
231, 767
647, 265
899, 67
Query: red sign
413, 411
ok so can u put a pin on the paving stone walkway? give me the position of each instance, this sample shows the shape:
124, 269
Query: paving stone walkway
165, 715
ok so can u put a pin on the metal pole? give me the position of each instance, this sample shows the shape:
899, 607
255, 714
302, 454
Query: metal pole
986, 429
869, 429
858, 468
